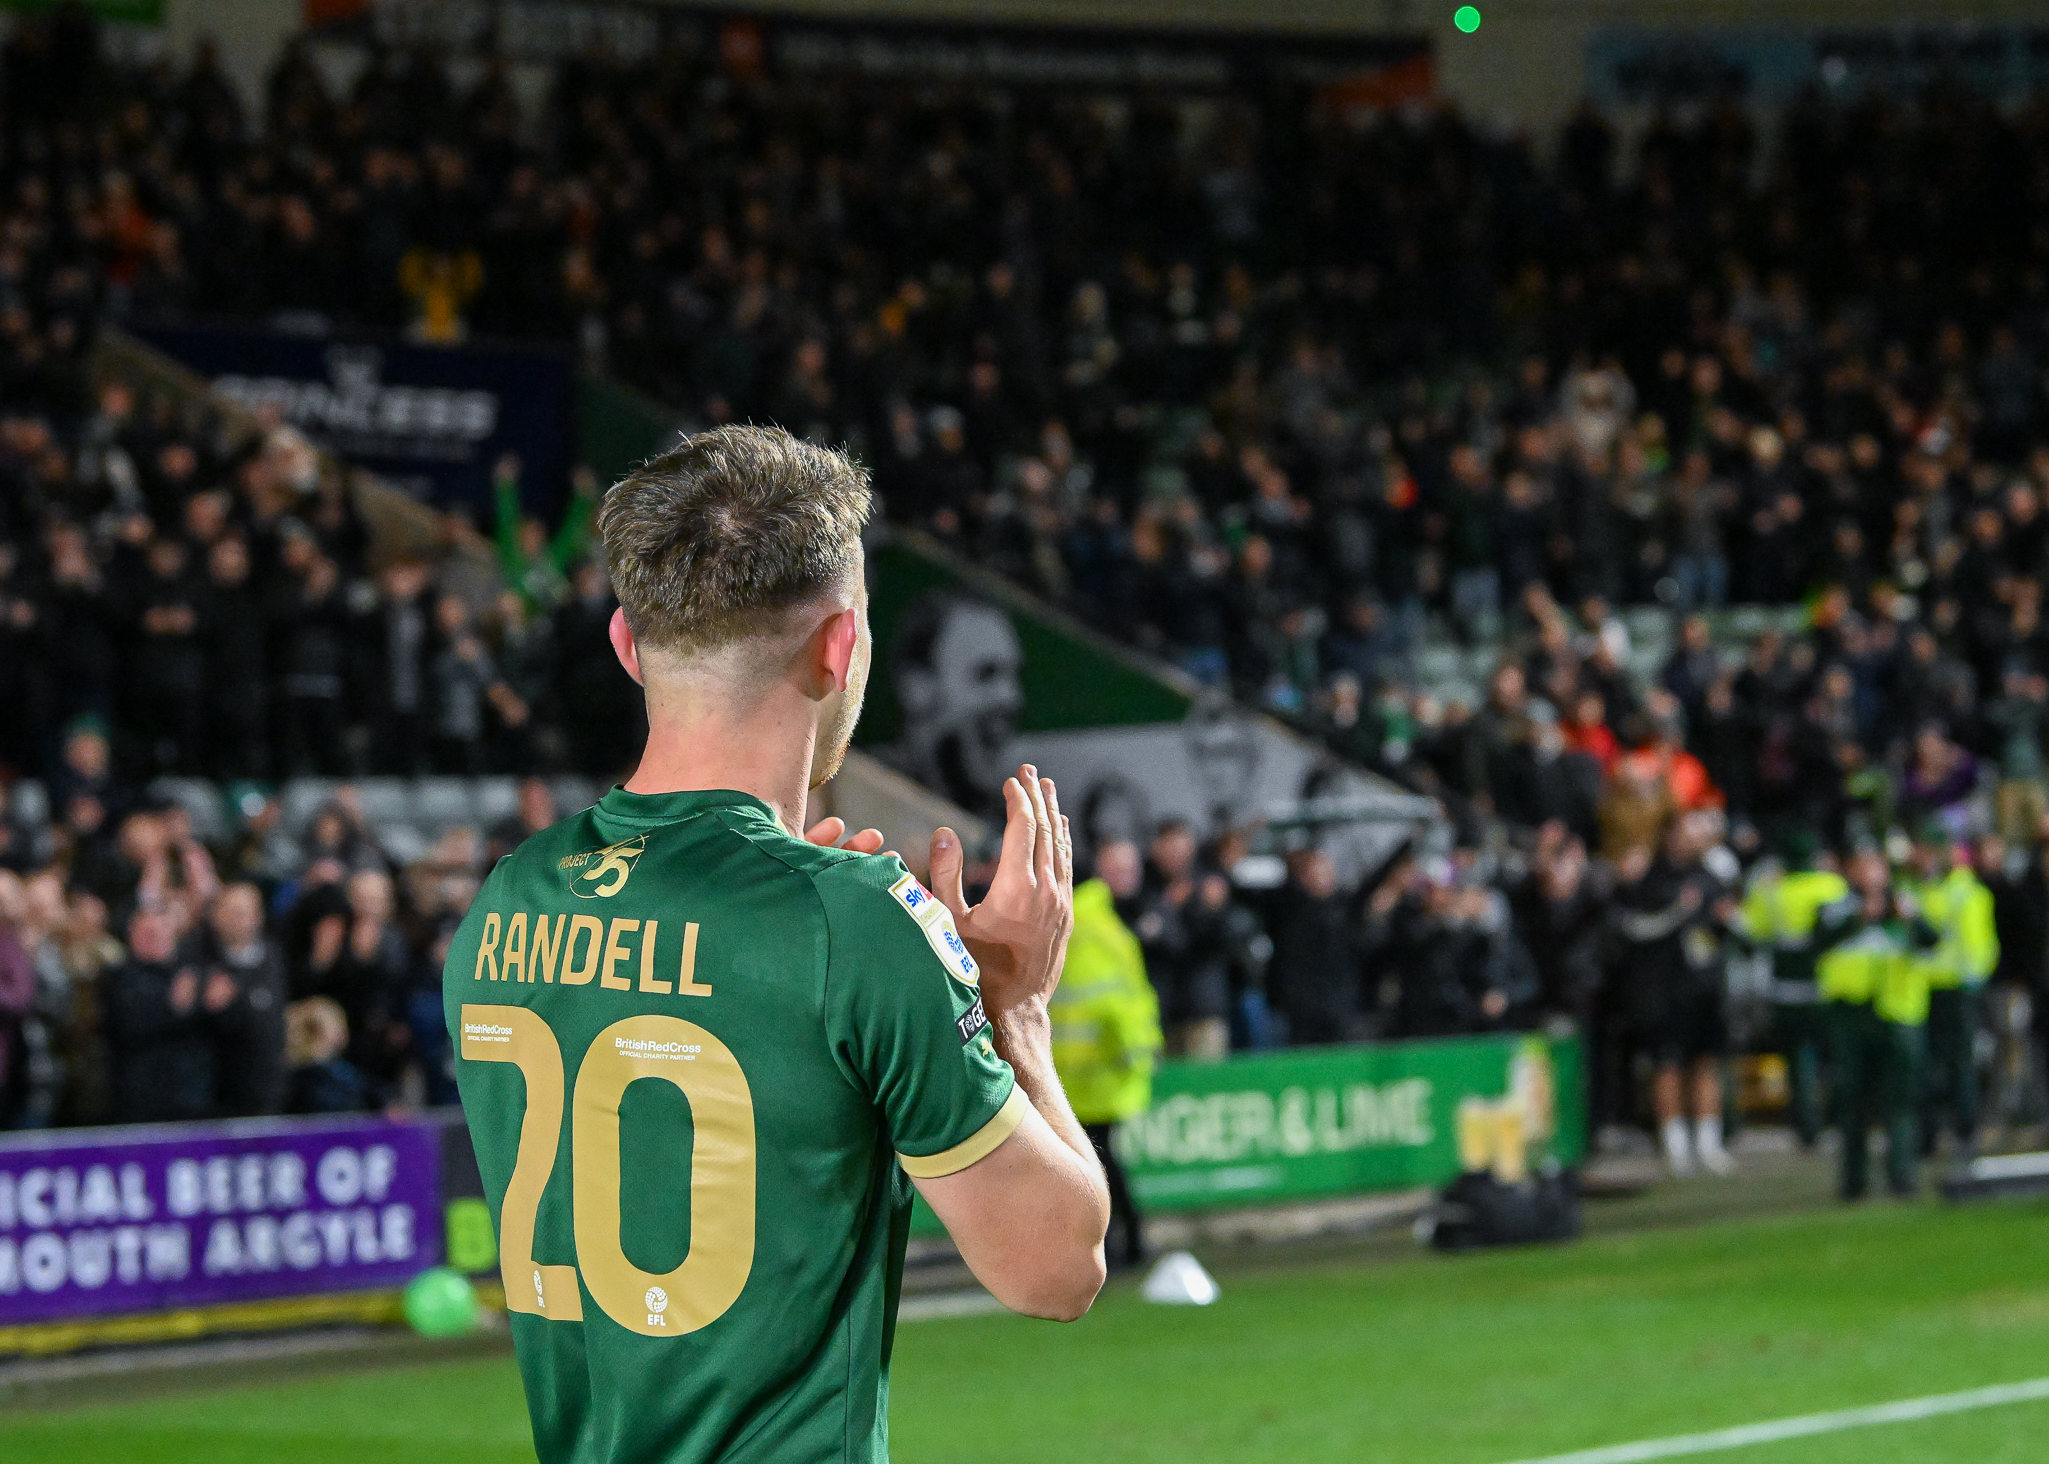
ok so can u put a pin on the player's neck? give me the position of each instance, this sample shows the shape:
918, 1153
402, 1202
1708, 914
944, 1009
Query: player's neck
765, 751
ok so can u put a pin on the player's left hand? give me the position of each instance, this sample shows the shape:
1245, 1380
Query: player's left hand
832, 833
1018, 933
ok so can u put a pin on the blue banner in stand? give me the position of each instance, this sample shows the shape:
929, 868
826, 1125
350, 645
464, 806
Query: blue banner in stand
431, 420
97, 1222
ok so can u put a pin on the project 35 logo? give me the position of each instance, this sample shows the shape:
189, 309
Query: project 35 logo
602, 873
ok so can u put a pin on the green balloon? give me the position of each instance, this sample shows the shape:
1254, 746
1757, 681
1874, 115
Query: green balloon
441, 1303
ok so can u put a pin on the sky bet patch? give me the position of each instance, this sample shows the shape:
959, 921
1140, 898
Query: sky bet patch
937, 922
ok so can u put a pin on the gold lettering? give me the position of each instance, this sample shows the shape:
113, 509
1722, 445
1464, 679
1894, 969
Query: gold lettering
647, 963
686, 980
515, 948
585, 925
487, 947
617, 951
546, 947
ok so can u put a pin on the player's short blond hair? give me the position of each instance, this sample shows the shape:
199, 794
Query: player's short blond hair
718, 539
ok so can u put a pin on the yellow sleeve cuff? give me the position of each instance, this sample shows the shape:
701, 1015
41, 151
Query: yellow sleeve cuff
974, 1149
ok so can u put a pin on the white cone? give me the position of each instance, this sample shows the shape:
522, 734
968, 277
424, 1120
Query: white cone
1179, 1280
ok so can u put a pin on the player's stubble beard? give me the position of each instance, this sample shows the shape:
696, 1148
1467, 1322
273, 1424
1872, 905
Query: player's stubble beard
836, 730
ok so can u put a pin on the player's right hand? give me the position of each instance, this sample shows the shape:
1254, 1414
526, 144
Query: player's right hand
1018, 933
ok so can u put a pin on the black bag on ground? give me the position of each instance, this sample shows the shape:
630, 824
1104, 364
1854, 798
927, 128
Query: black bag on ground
1478, 1209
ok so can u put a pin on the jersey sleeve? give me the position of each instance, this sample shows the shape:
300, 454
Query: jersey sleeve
903, 1010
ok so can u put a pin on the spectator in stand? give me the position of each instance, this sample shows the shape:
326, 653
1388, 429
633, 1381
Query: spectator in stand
1940, 779
168, 668
313, 654
236, 667
1587, 731
17, 988
88, 950
2018, 721
159, 1046
49, 1029
1561, 913
465, 686
319, 1078
1447, 946
1160, 914
536, 566
1671, 924
401, 675
1314, 981
357, 958
1544, 781
242, 987
536, 812
1222, 935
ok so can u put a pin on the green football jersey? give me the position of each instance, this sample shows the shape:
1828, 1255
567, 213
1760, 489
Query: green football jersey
699, 1057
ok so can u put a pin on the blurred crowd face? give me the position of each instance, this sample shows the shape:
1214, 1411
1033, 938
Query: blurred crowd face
152, 936
1118, 865
370, 896
44, 902
227, 562
1174, 852
1316, 873
536, 804
238, 916
143, 838
1868, 872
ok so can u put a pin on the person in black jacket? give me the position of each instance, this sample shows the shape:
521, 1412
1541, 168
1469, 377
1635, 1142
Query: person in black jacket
1314, 978
242, 991
1544, 781
168, 664
358, 957
313, 626
1227, 950
236, 636
158, 1043
1561, 913
1671, 926
1452, 954
1186, 949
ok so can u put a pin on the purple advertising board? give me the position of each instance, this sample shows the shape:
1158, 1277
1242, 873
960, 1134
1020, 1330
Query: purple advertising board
97, 1222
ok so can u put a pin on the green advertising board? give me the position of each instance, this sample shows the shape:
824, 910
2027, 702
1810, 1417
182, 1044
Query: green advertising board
1316, 1123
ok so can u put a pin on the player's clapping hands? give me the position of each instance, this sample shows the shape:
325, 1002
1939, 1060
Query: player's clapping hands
1018, 933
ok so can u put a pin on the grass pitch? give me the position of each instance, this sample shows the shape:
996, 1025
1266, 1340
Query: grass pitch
1418, 1359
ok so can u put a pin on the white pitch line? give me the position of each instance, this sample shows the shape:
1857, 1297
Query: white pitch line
1806, 1426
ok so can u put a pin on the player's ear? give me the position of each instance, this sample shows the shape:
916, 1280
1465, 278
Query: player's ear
624, 646
839, 639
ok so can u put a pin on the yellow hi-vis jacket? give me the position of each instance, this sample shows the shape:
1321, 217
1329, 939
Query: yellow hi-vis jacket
1779, 913
1873, 963
1106, 1019
1960, 908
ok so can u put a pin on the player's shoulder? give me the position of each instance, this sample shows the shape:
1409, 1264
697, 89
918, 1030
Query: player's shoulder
799, 856
871, 902
876, 903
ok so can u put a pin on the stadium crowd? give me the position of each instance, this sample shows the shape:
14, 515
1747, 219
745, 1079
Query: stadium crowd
1271, 388
145, 974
